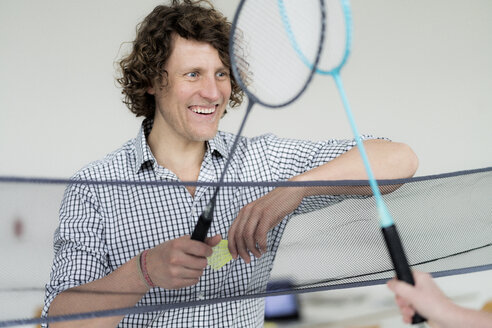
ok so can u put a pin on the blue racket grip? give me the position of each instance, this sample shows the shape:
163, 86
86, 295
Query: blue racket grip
403, 272
204, 222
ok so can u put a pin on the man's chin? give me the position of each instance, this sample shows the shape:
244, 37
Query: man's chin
205, 136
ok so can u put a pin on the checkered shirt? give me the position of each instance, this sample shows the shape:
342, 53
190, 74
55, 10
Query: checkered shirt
103, 226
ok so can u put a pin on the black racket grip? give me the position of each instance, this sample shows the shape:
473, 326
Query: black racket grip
201, 228
400, 262
204, 222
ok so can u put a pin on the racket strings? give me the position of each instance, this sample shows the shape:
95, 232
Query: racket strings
268, 67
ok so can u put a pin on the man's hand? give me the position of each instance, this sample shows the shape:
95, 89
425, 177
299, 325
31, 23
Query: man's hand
390, 160
249, 230
179, 262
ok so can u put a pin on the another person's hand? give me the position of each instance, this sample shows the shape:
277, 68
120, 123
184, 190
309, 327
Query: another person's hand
248, 232
425, 297
179, 262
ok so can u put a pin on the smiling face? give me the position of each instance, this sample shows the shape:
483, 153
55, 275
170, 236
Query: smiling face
194, 95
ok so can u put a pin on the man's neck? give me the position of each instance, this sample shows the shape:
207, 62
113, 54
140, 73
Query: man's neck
184, 158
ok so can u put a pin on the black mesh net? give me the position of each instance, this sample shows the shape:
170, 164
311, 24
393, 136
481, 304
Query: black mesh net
328, 242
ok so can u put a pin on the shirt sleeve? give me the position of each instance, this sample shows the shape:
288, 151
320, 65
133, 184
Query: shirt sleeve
80, 252
288, 158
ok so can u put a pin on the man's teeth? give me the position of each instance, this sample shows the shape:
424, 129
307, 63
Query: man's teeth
203, 110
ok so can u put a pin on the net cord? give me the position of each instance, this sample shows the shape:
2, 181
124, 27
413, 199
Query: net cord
313, 183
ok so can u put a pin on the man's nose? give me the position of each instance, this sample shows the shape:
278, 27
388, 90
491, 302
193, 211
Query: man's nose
210, 89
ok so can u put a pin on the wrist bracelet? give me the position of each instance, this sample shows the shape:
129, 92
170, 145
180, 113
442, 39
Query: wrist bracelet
143, 265
142, 270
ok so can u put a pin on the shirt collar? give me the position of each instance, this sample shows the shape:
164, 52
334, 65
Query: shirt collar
218, 144
142, 149
144, 154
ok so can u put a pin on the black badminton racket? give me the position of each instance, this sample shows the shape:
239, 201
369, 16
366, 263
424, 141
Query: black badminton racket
266, 66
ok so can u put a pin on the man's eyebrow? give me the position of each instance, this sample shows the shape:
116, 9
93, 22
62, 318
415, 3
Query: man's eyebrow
190, 69
200, 69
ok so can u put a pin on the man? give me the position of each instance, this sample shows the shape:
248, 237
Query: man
120, 246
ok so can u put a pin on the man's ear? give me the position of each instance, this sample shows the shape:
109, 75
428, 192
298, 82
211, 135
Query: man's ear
151, 91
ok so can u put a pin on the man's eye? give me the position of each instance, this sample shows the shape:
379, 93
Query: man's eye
192, 74
222, 74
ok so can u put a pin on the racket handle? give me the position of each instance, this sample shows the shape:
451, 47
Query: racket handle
204, 222
403, 272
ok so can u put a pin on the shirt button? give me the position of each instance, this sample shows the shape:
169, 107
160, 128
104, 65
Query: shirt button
200, 295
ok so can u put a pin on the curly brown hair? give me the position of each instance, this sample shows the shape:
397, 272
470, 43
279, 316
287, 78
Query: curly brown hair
153, 46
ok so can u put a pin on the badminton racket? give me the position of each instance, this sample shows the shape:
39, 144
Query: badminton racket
335, 54
266, 66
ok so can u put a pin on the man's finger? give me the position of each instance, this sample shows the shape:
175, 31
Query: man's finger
213, 241
239, 234
231, 238
261, 237
196, 248
190, 262
250, 233
241, 248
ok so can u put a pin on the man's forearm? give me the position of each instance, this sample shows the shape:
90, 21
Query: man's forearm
388, 160
122, 288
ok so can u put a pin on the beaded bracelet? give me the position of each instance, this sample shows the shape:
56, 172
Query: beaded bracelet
142, 270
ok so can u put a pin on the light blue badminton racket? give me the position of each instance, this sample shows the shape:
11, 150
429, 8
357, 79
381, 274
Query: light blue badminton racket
335, 53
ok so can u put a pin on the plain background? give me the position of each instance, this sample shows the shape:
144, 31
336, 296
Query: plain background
420, 72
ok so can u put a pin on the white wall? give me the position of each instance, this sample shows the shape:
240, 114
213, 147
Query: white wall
420, 72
